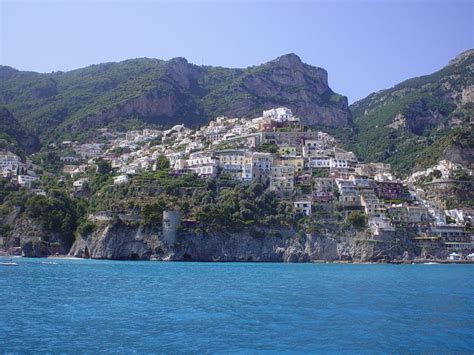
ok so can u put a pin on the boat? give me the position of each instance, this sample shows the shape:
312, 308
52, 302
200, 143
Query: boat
8, 263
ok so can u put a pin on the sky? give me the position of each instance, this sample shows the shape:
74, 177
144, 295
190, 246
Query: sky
365, 45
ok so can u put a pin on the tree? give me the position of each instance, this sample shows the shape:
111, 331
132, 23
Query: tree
103, 167
268, 148
162, 163
436, 174
153, 212
357, 219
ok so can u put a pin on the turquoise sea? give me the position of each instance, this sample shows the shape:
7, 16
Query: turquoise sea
89, 306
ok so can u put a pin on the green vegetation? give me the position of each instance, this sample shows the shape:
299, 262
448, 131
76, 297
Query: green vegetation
153, 212
268, 148
72, 105
56, 213
241, 205
357, 219
421, 137
13, 136
162, 163
103, 167
86, 228
320, 172
217, 202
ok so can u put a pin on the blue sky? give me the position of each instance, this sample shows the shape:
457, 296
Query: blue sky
365, 45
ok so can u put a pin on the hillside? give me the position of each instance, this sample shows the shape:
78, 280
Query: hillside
137, 92
13, 136
421, 120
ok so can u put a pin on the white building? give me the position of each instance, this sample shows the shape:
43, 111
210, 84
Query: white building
338, 163
173, 158
327, 162
203, 164
201, 158
26, 180
121, 179
380, 226
320, 162
38, 192
280, 114
193, 146
303, 207
454, 257
78, 184
9, 160
204, 170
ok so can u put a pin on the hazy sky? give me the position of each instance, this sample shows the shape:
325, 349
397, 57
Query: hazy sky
365, 45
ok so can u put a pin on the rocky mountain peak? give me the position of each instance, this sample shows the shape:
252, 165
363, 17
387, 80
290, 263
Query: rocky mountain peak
461, 57
288, 60
178, 60
7, 72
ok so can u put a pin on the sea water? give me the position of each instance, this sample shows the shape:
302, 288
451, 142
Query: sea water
120, 306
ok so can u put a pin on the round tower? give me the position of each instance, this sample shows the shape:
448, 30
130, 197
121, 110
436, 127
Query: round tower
171, 220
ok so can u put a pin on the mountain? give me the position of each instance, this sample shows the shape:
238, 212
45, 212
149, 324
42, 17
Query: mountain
136, 92
14, 136
421, 120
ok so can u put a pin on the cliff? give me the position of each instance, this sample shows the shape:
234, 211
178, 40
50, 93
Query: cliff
35, 241
118, 241
36, 225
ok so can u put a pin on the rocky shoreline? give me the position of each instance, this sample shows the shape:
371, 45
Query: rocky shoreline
4, 253
121, 241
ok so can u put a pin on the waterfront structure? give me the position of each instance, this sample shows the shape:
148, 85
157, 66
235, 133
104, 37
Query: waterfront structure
171, 221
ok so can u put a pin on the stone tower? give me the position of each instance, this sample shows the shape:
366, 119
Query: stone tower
171, 221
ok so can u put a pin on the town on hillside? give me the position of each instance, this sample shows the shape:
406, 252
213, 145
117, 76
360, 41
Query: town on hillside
305, 167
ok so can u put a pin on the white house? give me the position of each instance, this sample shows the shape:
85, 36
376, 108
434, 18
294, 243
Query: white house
303, 207
26, 180
121, 179
280, 114
320, 162
9, 160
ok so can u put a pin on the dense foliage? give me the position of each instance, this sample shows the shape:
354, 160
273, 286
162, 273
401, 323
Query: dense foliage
56, 213
13, 136
241, 205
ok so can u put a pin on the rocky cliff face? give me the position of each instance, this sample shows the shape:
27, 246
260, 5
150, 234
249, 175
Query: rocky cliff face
143, 91
116, 241
34, 240
285, 81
